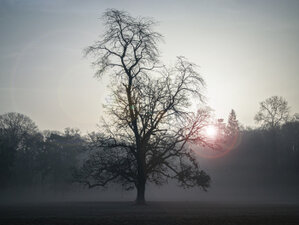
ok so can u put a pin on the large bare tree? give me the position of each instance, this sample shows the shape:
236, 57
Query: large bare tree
148, 131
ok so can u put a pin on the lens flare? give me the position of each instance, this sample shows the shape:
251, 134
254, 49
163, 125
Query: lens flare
211, 131
227, 146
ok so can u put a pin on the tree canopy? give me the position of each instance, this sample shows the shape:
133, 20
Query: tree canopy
274, 111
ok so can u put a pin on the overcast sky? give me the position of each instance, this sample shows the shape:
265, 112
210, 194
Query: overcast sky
247, 51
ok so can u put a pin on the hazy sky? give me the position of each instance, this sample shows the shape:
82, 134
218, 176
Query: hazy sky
247, 51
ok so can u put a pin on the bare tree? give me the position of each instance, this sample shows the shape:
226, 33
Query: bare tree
16, 125
147, 129
274, 111
15, 130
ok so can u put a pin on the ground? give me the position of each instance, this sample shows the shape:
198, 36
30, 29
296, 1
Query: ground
154, 213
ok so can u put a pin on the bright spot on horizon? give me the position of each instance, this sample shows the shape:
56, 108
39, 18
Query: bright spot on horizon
211, 131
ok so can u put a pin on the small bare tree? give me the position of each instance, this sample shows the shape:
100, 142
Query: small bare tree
274, 111
147, 128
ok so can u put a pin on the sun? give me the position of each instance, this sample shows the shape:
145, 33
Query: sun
211, 131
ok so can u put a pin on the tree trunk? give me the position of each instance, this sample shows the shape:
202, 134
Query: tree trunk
140, 200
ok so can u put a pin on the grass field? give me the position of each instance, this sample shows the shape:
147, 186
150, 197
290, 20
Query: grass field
154, 213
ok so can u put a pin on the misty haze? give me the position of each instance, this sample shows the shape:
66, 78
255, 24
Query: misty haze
149, 112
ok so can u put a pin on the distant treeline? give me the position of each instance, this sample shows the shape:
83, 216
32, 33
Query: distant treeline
263, 158
29, 157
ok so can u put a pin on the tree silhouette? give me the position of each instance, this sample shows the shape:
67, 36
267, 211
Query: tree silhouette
274, 111
232, 127
15, 130
147, 126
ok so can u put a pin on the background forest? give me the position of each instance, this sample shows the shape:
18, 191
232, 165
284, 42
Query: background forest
265, 158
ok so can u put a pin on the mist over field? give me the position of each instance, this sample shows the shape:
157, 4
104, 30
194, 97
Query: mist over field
239, 177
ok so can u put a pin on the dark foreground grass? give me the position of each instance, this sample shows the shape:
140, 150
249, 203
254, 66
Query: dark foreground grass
155, 213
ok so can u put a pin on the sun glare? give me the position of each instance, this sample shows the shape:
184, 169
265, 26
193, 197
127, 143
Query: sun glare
211, 131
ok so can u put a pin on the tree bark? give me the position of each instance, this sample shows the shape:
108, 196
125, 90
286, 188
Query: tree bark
140, 200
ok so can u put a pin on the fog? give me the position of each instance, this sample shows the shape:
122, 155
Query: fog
226, 187
240, 176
